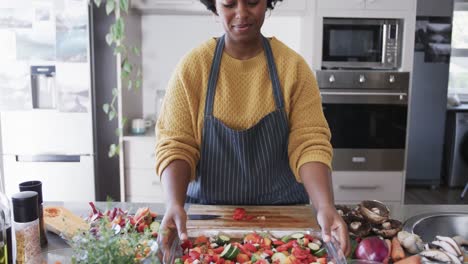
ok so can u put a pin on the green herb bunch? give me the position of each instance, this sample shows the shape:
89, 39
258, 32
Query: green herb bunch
109, 243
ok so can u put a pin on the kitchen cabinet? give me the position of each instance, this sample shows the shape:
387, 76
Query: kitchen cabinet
366, 4
296, 7
355, 186
169, 6
141, 182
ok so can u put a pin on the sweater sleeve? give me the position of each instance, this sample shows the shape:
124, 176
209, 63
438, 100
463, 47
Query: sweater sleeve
309, 138
175, 129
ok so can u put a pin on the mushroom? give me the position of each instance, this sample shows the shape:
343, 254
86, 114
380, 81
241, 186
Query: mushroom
357, 226
342, 210
436, 255
461, 241
374, 211
388, 229
411, 242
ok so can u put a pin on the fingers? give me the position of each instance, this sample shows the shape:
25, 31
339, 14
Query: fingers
326, 233
344, 238
181, 223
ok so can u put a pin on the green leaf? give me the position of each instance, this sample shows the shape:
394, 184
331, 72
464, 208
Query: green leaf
127, 66
97, 2
118, 131
120, 49
124, 121
115, 92
130, 84
112, 150
119, 28
136, 51
105, 107
139, 73
109, 39
138, 84
110, 6
124, 75
124, 5
112, 114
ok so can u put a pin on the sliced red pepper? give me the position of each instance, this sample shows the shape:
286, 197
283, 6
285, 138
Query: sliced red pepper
278, 242
186, 244
218, 250
250, 247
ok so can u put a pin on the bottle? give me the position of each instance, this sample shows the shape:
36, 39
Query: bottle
26, 226
36, 186
6, 237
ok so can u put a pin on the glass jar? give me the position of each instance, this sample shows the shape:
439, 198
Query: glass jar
26, 227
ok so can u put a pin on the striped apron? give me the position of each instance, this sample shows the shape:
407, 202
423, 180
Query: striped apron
248, 167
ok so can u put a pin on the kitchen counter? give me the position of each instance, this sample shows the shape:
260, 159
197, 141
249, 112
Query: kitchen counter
399, 212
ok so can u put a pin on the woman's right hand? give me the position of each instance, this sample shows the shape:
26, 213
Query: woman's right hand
173, 224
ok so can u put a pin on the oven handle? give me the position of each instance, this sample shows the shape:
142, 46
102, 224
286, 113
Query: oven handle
358, 187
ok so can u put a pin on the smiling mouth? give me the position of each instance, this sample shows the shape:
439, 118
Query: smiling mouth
242, 26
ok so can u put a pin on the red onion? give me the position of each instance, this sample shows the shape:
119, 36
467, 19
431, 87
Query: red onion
372, 248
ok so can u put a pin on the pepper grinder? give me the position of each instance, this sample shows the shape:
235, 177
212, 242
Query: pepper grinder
36, 186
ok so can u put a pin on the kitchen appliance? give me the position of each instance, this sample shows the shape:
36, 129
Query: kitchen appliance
367, 115
364, 43
456, 149
49, 137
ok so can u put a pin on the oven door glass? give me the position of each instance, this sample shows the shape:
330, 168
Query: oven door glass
352, 43
367, 126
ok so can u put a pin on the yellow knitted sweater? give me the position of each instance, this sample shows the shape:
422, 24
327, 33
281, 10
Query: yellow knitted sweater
243, 96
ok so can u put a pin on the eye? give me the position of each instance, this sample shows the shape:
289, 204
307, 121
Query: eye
253, 2
229, 4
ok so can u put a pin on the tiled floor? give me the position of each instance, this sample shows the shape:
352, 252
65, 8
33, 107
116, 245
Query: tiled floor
426, 195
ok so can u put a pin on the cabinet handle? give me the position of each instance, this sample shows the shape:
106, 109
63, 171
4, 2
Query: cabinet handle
358, 187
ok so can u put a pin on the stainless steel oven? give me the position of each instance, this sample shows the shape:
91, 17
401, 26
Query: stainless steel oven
367, 115
361, 43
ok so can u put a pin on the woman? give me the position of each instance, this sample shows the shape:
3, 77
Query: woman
242, 123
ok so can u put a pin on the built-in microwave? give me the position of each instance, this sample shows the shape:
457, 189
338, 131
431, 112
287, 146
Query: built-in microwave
362, 43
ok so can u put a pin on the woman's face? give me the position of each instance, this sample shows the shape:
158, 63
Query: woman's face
242, 19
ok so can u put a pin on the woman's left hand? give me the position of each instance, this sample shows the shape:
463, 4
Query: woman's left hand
331, 222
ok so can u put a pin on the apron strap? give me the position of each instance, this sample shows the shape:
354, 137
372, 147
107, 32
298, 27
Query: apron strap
214, 77
214, 72
273, 74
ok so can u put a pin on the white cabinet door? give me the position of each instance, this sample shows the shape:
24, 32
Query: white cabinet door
61, 181
341, 4
169, 6
406, 5
358, 186
143, 185
139, 154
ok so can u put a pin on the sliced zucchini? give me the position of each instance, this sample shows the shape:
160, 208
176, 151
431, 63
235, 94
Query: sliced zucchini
279, 257
178, 261
317, 241
255, 257
223, 240
226, 250
313, 246
320, 253
286, 238
233, 253
297, 235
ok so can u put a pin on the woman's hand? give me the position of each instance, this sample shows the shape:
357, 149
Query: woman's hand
331, 222
173, 224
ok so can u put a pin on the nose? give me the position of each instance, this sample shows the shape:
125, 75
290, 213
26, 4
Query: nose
242, 10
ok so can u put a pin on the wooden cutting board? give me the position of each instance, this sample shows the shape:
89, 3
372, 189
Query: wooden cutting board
61, 221
275, 217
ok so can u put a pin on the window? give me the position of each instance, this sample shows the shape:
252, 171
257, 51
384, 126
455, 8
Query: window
458, 77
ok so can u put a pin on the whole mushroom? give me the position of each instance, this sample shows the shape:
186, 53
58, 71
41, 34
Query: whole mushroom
374, 211
358, 226
388, 229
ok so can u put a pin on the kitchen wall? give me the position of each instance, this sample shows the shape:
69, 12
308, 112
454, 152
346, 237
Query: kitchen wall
164, 44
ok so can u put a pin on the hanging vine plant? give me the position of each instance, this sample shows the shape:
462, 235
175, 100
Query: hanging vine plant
130, 74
